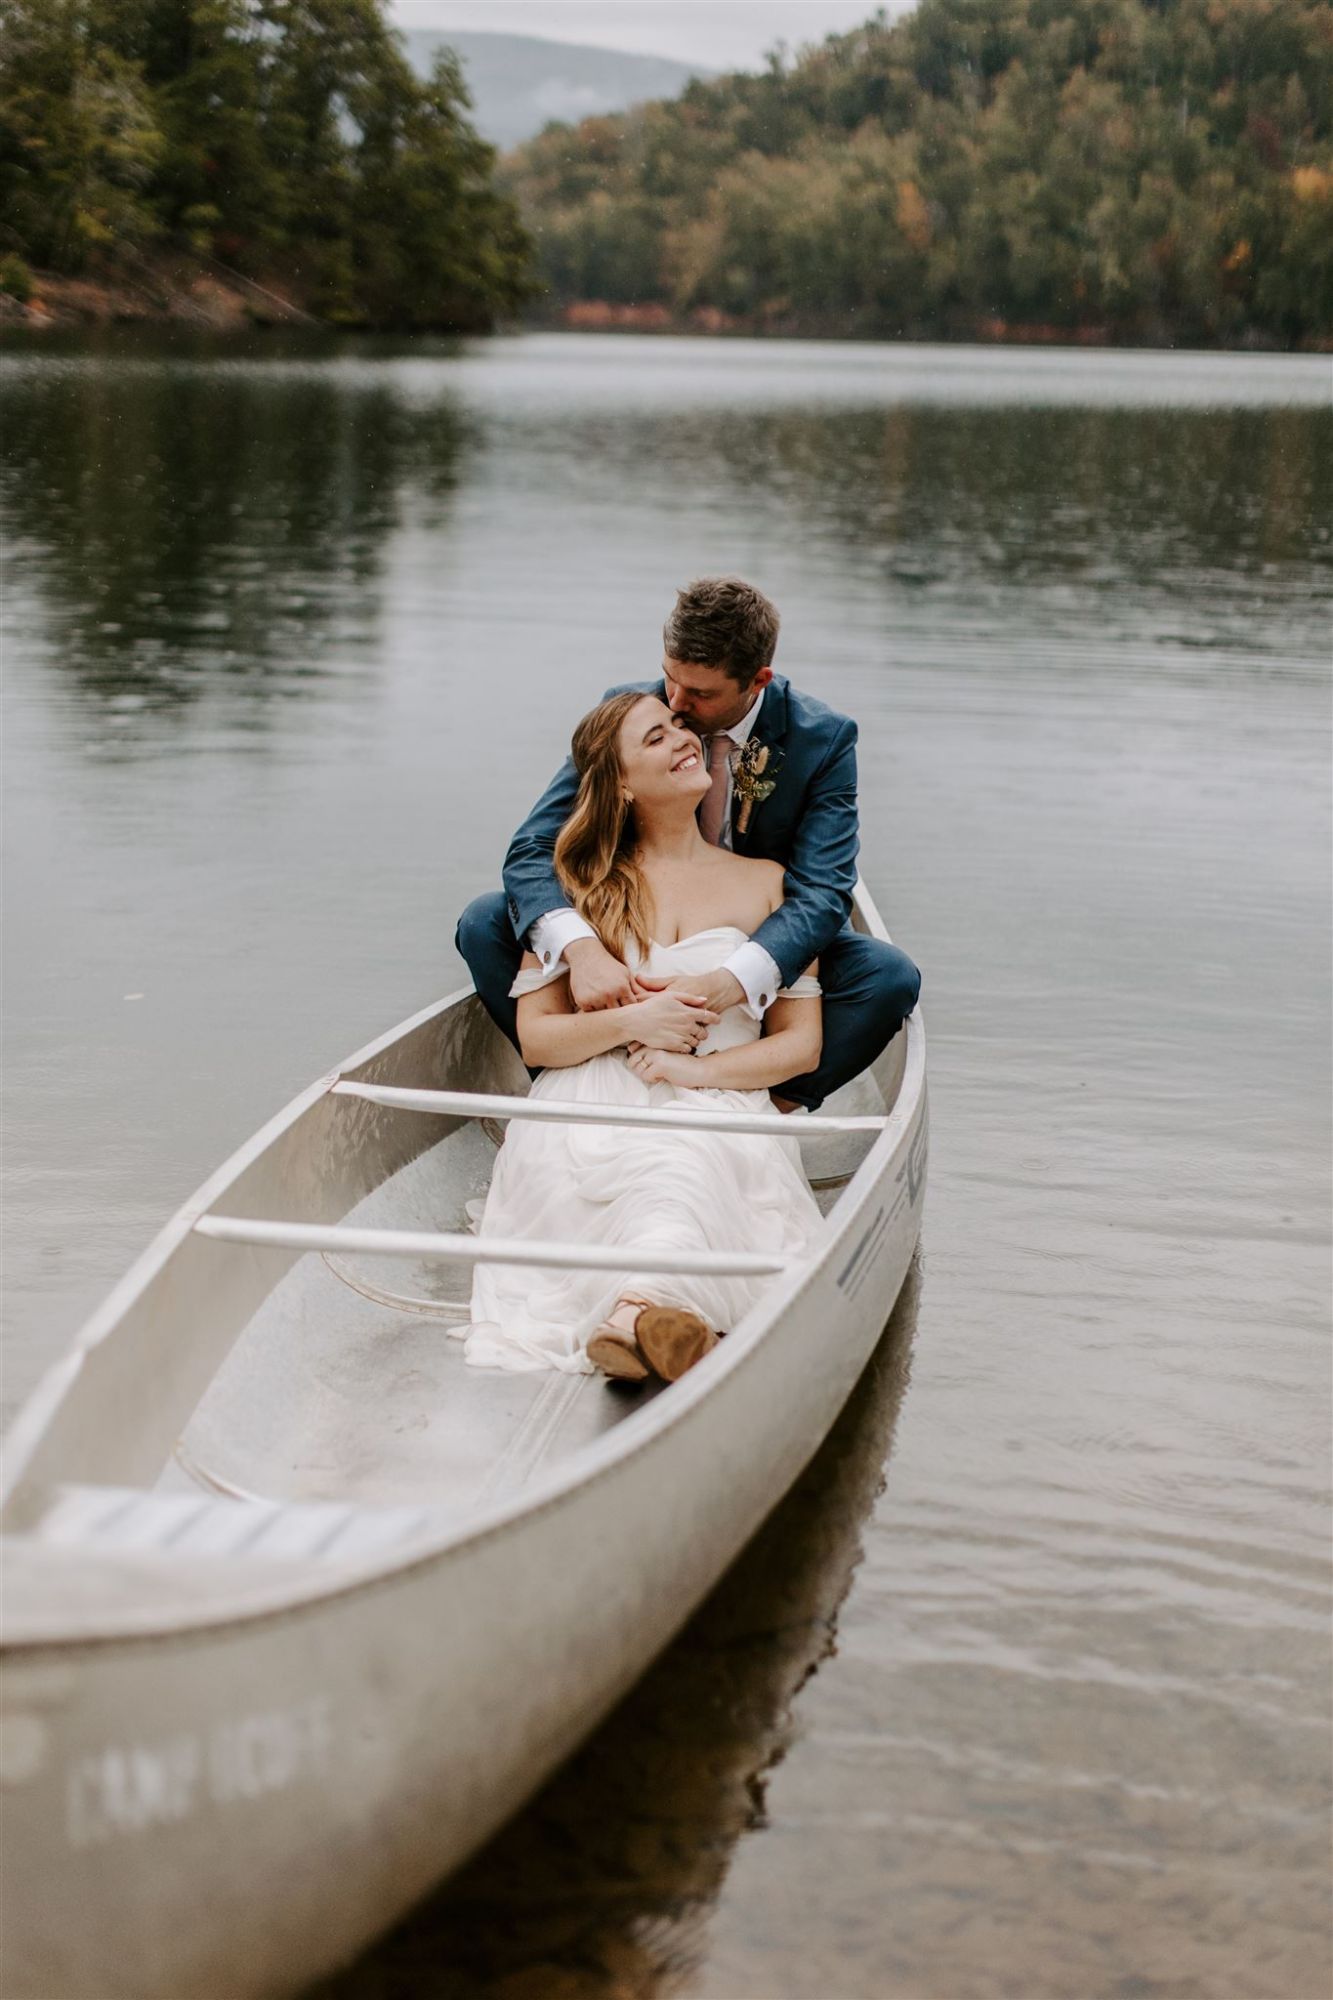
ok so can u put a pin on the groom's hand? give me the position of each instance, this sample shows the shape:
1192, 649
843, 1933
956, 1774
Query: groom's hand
715, 990
597, 980
671, 1020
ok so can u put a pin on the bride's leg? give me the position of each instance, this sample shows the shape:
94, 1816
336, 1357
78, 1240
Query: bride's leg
614, 1349
626, 1310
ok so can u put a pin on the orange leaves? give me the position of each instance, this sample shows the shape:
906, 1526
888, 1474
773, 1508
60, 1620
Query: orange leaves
913, 215
1312, 183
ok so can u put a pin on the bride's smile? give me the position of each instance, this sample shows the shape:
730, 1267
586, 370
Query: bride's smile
661, 759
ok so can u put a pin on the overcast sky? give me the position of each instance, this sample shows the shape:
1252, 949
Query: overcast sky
716, 34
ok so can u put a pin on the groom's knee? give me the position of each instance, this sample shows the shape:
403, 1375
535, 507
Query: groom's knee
897, 986
483, 929
488, 947
874, 978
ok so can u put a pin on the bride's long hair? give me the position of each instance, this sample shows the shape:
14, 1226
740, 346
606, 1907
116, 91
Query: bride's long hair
595, 851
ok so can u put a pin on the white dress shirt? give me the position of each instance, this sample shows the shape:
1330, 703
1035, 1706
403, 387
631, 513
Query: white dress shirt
753, 967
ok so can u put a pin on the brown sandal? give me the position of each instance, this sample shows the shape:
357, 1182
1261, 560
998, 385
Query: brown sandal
665, 1341
671, 1340
617, 1353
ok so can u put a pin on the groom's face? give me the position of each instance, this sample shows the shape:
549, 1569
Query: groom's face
707, 696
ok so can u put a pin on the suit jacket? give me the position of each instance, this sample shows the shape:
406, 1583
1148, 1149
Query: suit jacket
808, 823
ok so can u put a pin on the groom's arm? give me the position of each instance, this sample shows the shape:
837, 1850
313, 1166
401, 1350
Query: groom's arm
532, 888
820, 876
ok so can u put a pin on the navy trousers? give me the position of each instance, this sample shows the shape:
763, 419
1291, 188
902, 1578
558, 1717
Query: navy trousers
869, 990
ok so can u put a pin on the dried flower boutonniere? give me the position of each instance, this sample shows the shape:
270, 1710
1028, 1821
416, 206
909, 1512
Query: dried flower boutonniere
752, 787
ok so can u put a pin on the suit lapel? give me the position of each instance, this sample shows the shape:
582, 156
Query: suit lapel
771, 722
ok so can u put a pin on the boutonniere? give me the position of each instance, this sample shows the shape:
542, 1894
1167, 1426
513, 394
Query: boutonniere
752, 785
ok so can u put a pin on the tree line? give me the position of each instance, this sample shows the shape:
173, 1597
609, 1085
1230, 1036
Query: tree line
286, 137
1157, 170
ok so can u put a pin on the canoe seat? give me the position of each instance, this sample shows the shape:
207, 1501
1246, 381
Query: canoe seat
129, 1520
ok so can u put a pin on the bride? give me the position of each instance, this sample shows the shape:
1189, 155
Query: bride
633, 862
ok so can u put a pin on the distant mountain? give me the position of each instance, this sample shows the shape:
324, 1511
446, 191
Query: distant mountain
520, 83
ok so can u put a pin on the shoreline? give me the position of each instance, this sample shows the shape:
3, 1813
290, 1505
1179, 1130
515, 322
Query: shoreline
709, 322
181, 291
196, 293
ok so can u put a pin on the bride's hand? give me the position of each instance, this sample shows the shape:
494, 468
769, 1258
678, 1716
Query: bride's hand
718, 990
660, 1066
675, 1022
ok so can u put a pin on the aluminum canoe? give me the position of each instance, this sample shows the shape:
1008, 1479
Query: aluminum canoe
298, 1609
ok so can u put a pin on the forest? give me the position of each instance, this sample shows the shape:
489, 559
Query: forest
1157, 171
1142, 170
283, 139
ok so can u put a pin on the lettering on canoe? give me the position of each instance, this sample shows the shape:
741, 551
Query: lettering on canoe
910, 1182
130, 1788
868, 1246
916, 1163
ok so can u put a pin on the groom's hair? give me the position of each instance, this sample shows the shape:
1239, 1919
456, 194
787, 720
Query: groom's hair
724, 622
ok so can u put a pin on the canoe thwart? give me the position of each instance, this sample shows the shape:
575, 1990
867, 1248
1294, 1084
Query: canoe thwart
546, 1110
488, 1249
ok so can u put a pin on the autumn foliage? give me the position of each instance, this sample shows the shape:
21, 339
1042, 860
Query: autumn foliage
1156, 170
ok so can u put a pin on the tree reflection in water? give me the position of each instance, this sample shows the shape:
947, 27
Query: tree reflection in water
601, 1887
183, 526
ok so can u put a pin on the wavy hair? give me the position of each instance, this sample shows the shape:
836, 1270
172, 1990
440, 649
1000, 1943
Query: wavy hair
595, 849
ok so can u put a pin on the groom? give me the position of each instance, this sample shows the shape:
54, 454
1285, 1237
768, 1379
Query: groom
783, 770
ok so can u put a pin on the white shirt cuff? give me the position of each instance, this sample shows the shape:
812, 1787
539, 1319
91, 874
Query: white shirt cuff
551, 933
758, 974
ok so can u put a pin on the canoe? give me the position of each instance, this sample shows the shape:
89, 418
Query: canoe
298, 1609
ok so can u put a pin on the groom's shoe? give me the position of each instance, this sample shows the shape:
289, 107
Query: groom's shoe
671, 1340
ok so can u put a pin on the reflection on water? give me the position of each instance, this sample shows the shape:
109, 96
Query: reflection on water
193, 529
1026, 497
602, 1886
198, 525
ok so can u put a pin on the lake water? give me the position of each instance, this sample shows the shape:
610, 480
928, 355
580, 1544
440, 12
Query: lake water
1025, 1689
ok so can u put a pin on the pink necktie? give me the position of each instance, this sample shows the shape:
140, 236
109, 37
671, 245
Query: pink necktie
713, 810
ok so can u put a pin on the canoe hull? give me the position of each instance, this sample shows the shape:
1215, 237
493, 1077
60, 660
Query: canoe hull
235, 1808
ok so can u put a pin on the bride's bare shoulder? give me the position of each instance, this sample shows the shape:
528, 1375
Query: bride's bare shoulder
761, 878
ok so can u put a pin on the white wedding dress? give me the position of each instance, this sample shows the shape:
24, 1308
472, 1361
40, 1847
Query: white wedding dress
614, 1184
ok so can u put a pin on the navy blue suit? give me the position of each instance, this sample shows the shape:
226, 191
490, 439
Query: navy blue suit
808, 824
